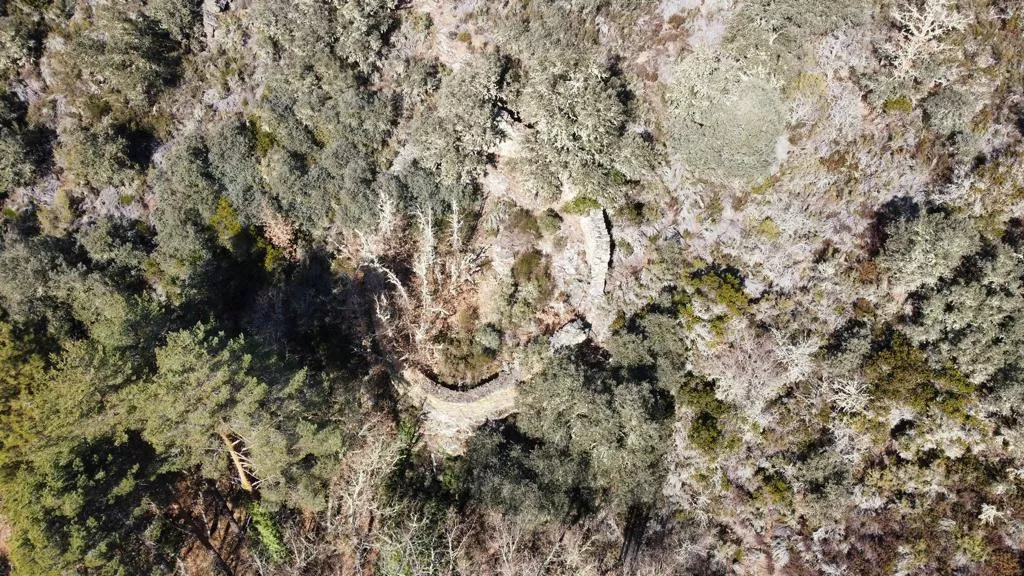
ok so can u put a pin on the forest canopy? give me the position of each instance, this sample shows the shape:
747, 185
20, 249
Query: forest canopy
563, 287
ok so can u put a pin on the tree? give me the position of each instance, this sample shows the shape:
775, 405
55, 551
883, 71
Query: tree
363, 27
920, 251
204, 386
355, 31
923, 27
186, 198
119, 247
233, 162
724, 119
617, 430
974, 321
25, 371
579, 130
41, 288
71, 470
210, 393
458, 130
324, 134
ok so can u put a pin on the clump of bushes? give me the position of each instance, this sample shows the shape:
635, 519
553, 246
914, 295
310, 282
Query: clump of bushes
524, 222
705, 429
533, 269
469, 358
549, 222
782, 33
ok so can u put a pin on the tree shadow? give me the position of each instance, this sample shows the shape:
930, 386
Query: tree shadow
896, 209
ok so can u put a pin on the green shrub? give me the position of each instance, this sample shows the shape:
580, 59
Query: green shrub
58, 217
704, 432
699, 395
187, 198
263, 139
225, 222
362, 28
488, 336
581, 205
898, 105
723, 286
181, 20
581, 129
769, 229
579, 113
775, 489
972, 321
268, 535
117, 244
274, 259
324, 167
465, 361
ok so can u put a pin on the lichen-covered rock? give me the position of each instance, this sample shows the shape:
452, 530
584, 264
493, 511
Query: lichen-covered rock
571, 334
598, 244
